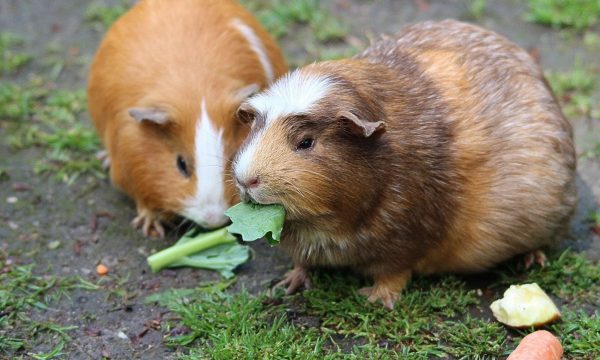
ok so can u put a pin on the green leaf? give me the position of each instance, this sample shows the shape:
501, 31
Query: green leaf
254, 221
170, 297
216, 250
223, 258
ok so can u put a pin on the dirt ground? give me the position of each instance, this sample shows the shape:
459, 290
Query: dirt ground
91, 220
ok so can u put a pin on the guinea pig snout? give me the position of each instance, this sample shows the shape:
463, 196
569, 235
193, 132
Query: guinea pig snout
209, 215
245, 185
213, 220
248, 182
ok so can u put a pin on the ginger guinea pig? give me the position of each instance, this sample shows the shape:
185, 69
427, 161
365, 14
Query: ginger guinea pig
163, 90
440, 149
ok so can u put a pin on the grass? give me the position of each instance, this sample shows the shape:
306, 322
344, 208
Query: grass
24, 296
576, 14
307, 22
102, 16
476, 8
436, 317
593, 152
594, 218
575, 89
51, 119
278, 15
569, 276
11, 59
580, 332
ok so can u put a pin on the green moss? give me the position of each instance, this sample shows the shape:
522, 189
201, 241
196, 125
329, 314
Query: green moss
568, 275
11, 59
592, 152
579, 333
474, 338
435, 317
278, 16
575, 89
102, 16
578, 14
594, 217
476, 8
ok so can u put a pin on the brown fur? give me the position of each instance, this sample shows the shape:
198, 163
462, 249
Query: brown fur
476, 163
172, 54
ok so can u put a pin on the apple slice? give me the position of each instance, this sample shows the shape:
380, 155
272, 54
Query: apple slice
524, 306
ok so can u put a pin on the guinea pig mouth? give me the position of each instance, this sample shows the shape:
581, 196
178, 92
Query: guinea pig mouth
250, 195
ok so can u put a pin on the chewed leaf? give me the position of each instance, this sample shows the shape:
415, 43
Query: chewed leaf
254, 221
223, 258
216, 250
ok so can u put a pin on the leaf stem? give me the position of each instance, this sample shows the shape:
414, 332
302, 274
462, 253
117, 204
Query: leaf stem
169, 255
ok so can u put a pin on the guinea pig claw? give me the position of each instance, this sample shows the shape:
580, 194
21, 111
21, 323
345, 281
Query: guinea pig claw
373, 293
154, 228
104, 158
387, 288
294, 280
150, 226
535, 257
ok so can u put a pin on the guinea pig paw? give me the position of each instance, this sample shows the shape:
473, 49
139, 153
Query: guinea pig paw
294, 280
151, 226
534, 257
387, 296
104, 158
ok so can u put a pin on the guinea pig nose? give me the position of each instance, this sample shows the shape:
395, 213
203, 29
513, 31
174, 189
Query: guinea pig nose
253, 182
248, 183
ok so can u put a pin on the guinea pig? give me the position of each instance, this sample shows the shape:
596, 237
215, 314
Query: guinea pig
439, 149
163, 91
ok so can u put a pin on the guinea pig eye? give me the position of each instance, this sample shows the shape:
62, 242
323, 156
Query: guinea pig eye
182, 166
305, 144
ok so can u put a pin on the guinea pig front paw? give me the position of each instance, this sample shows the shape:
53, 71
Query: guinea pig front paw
149, 222
373, 293
294, 280
104, 159
387, 289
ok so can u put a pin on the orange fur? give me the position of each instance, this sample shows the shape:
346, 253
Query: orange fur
171, 55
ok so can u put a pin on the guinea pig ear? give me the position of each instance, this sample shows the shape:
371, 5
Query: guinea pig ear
154, 115
245, 113
242, 94
360, 126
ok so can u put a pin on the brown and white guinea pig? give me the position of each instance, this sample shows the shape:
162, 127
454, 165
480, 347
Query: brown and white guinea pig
440, 149
163, 90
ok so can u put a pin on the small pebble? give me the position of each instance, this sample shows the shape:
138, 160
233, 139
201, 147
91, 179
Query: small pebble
53, 244
20, 187
122, 335
12, 199
101, 270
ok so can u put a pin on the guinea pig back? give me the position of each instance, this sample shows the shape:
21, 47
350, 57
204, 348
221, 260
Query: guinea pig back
439, 149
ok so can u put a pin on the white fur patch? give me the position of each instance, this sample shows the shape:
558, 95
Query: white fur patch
208, 205
256, 45
241, 166
295, 93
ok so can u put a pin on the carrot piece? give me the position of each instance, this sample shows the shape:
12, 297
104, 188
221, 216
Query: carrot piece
539, 345
101, 270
